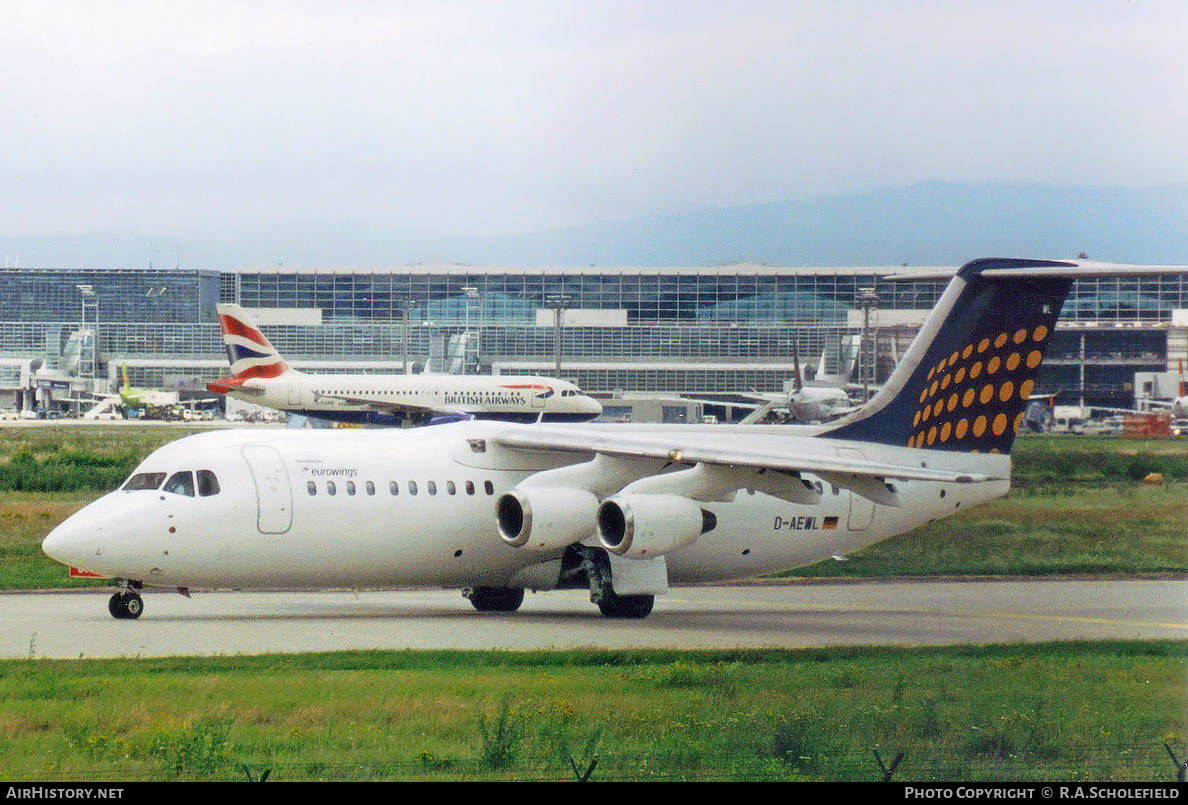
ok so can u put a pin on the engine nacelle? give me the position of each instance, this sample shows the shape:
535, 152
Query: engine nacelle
646, 526
542, 518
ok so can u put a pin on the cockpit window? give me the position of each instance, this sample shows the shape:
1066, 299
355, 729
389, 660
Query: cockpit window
208, 483
144, 480
180, 483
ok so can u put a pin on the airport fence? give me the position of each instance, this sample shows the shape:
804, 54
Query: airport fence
858, 768
1148, 768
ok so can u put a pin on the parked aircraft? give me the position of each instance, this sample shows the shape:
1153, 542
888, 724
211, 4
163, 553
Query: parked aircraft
822, 400
260, 375
803, 402
157, 403
621, 510
144, 399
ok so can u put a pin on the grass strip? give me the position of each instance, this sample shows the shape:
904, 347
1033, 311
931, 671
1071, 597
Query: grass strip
1094, 711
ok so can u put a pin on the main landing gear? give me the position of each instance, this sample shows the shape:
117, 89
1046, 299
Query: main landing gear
495, 599
127, 603
581, 566
596, 564
613, 605
508, 599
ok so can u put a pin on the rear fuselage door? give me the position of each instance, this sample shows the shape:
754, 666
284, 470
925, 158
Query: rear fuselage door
861, 509
274, 498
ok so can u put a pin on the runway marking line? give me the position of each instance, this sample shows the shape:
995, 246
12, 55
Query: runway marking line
1075, 619
967, 614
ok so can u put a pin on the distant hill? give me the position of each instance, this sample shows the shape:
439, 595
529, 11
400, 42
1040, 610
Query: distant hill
932, 223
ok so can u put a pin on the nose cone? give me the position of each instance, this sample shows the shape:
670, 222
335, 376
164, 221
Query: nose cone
590, 406
86, 539
67, 543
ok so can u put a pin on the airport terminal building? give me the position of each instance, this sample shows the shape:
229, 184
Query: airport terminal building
622, 330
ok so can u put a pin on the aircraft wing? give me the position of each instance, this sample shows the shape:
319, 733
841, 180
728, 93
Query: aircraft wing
740, 399
386, 405
835, 413
392, 406
675, 448
758, 414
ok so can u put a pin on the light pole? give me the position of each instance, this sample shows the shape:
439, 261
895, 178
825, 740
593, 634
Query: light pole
869, 298
559, 303
88, 354
404, 338
471, 292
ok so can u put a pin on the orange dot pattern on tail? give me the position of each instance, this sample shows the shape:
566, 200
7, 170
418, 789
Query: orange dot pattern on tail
975, 395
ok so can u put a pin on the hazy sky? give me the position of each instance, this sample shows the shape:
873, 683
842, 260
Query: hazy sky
209, 119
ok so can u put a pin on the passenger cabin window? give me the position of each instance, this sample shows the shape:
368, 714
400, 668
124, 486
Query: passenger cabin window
331, 488
370, 488
311, 487
208, 483
394, 487
180, 483
144, 480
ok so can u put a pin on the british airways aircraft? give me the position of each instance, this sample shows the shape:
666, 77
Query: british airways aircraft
260, 375
624, 511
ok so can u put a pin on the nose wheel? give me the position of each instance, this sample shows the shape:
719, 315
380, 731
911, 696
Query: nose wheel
125, 605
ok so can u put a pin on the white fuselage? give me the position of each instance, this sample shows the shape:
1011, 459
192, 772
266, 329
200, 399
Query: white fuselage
417, 507
377, 398
818, 404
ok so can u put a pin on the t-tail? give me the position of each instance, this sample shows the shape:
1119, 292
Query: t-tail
250, 353
965, 381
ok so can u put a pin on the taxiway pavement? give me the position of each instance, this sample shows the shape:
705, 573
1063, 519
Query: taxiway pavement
911, 613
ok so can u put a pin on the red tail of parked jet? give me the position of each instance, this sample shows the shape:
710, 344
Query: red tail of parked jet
248, 350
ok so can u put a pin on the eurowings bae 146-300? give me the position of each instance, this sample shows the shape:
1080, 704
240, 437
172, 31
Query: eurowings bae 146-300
260, 375
623, 510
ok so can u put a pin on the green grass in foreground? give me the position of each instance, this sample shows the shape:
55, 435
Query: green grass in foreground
1077, 711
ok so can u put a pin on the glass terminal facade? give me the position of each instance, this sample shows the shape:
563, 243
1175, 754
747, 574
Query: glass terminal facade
671, 330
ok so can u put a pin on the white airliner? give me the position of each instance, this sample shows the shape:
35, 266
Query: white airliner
804, 402
621, 510
260, 375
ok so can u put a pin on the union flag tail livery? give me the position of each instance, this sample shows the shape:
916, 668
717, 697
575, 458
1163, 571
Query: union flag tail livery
248, 350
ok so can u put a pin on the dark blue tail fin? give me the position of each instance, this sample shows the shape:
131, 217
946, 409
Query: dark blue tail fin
964, 382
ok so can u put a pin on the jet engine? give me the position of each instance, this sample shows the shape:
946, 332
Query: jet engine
646, 526
543, 518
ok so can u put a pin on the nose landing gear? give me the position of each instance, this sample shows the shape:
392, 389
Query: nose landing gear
127, 603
